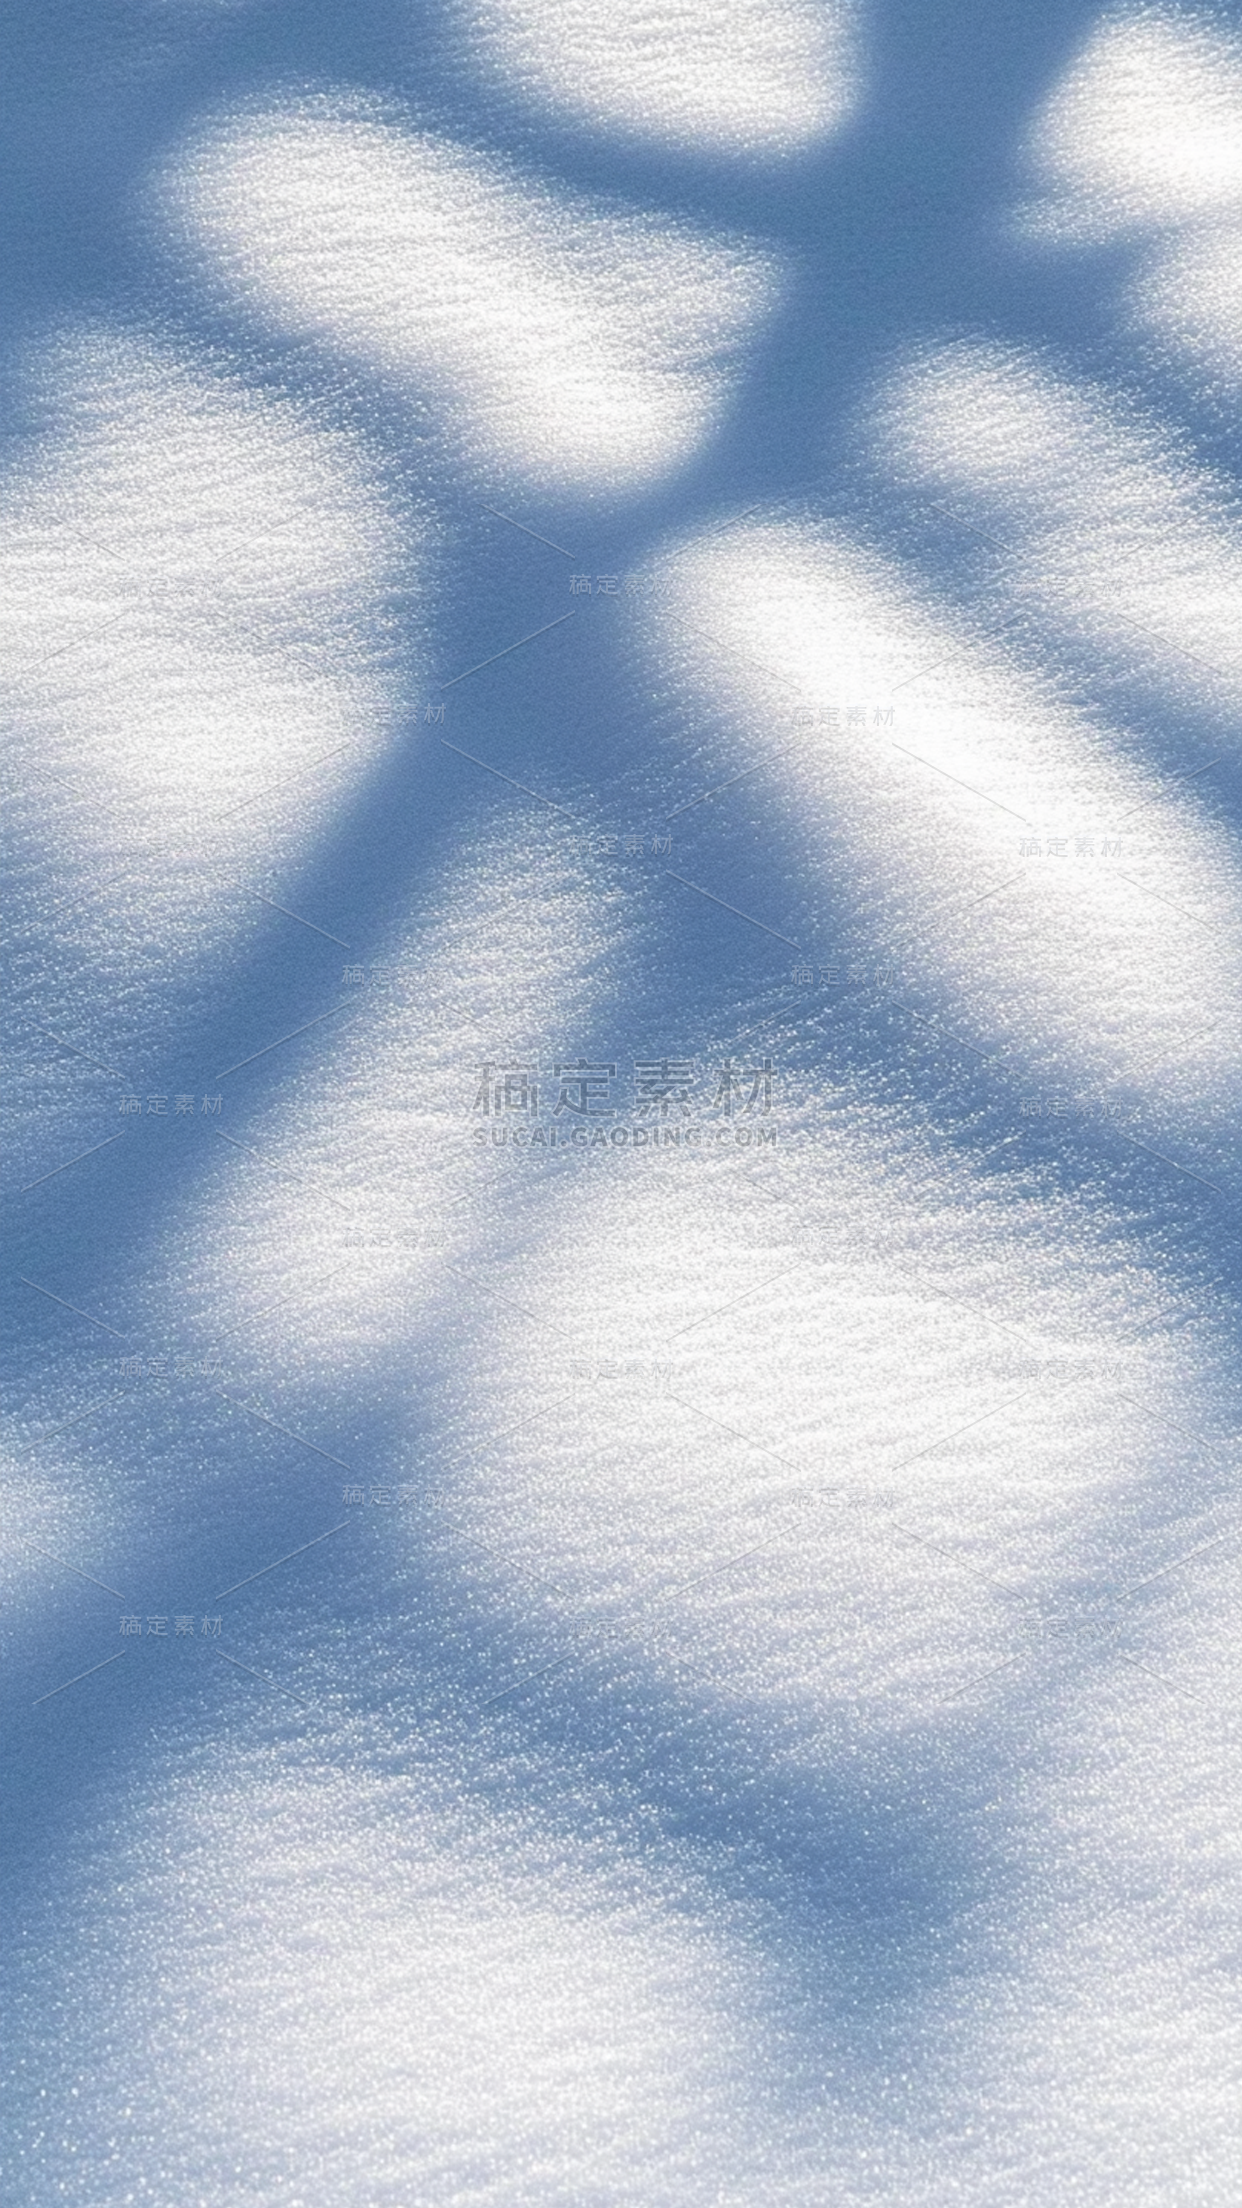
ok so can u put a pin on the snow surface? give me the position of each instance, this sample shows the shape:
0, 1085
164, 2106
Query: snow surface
546, 541
742, 79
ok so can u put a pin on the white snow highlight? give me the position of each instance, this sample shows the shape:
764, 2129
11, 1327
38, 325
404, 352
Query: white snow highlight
868, 1426
970, 842
1100, 522
743, 78
194, 659
1145, 129
355, 1990
558, 342
362, 1171
1142, 143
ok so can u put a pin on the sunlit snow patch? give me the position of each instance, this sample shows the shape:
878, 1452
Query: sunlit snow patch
746, 77
1141, 142
341, 1228
194, 654
1111, 532
560, 343
1144, 130
364, 1990
858, 1432
1036, 893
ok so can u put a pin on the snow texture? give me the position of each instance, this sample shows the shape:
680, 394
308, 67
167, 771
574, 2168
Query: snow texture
621, 671
741, 79
1142, 143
